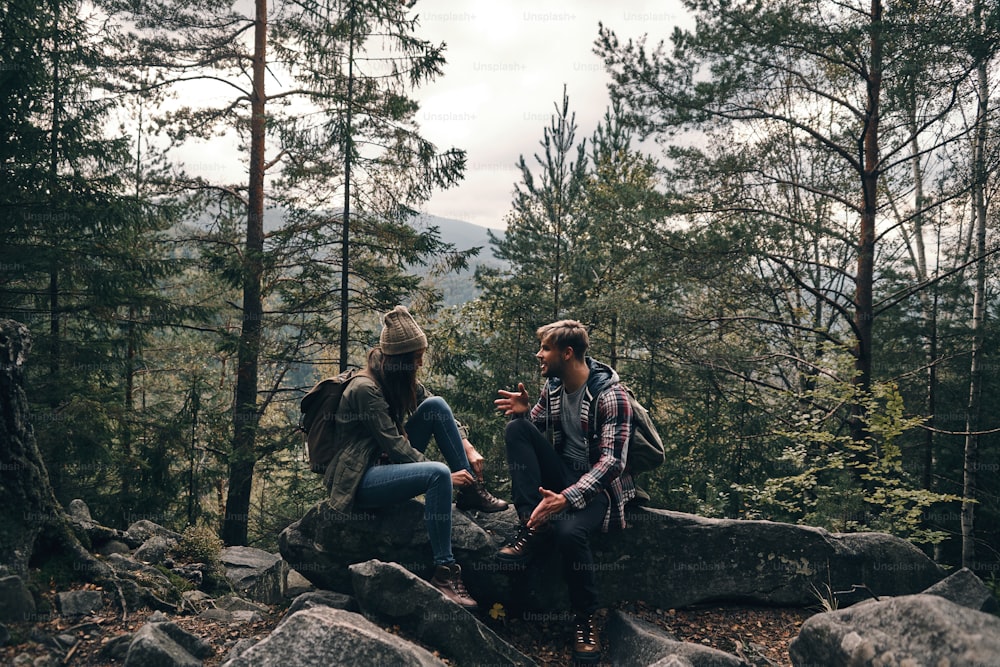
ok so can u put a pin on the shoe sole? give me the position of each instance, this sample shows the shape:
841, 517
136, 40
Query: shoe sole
513, 560
586, 659
469, 508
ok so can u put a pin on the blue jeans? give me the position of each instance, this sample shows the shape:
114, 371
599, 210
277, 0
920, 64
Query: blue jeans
393, 483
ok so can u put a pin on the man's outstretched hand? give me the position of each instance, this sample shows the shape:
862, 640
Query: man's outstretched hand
552, 503
514, 402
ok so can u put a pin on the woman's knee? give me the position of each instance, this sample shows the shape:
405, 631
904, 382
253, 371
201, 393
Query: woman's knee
437, 405
437, 473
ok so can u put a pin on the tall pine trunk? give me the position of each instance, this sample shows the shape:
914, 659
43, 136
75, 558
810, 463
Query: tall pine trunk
864, 313
978, 309
245, 417
345, 232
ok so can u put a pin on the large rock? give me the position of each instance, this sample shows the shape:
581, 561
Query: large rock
965, 588
255, 573
908, 630
325, 636
321, 599
154, 550
631, 641
16, 601
166, 645
395, 595
143, 529
669, 559
322, 544
80, 603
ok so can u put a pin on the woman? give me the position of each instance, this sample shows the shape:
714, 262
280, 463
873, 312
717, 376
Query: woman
384, 422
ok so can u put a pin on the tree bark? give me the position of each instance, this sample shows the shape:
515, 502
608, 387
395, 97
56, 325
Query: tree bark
864, 313
236, 521
971, 454
34, 525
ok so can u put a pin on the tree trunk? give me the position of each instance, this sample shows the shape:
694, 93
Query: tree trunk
864, 312
345, 232
34, 525
242, 458
978, 310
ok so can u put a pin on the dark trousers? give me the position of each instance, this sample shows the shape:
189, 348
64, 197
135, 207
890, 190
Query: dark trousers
534, 463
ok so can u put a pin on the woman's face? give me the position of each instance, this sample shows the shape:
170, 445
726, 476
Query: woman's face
418, 358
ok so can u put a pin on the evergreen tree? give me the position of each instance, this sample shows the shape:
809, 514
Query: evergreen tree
79, 247
322, 96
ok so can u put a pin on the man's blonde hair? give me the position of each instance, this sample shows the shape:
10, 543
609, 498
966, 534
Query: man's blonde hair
564, 334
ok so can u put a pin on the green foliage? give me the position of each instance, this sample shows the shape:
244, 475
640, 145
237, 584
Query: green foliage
198, 544
837, 483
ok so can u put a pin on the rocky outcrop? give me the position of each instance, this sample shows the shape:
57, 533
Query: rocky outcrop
636, 642
669, 559
16, 602
391, 593
908, 630
79, 603
255, 573
166, 645
966, 589
321, 635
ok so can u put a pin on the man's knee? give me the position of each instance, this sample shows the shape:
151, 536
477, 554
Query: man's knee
569, 533
518, 431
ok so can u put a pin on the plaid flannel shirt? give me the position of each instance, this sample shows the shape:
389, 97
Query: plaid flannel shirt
607, 441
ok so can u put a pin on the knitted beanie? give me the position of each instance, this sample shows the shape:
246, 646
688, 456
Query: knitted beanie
400, 333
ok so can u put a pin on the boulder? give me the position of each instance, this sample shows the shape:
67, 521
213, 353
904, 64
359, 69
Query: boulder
155, 549
255, 573
322, 599
322, 636
113, 546
79, 603
143, 529
965, 588
322, 544
166, 645
144, 585
906, 630
90, 532
77, 510
631, 641
296, 585
395, 595
669, 559
16, 602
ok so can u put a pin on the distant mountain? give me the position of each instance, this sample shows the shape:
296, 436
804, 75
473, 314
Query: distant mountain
463, 235
457, 288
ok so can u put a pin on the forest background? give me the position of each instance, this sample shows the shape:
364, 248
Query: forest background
782, 235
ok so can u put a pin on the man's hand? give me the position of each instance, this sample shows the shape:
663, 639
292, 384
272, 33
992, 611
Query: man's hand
475, 458
552, 503
514, 402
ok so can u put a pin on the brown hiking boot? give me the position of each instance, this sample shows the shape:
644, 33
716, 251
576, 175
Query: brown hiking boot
448, 580
523, 547
586, 645
476, 497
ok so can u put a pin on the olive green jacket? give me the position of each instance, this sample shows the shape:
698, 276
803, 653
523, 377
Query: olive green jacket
364, 432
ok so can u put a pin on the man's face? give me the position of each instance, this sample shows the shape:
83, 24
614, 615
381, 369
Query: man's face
551, 359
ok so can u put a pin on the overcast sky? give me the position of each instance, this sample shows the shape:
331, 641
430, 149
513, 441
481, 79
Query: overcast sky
507, 63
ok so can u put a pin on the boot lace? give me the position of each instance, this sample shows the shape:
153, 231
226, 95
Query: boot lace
585, 631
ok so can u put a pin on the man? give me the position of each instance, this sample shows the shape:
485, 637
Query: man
567, 465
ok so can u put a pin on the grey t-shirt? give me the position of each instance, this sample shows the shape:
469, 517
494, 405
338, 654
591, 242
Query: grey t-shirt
575, 452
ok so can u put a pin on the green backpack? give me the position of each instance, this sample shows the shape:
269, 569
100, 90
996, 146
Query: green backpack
318, 418
645, 447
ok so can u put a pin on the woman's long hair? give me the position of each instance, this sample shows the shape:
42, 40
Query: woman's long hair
396, 375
